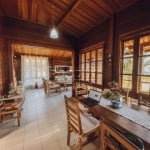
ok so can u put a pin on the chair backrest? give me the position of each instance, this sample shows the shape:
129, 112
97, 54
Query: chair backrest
73, 114
112, 139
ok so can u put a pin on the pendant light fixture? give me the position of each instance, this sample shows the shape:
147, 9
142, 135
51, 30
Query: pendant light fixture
53, 31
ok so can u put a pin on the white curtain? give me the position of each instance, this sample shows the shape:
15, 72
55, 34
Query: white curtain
33, 69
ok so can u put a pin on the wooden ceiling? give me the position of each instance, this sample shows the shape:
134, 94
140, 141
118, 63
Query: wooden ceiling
41, 51
72, 17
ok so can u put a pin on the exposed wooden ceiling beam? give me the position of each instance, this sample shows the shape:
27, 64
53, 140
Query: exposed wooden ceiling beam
70, 10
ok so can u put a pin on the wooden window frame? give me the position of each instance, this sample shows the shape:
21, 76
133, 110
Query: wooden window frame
136, 35
95, 48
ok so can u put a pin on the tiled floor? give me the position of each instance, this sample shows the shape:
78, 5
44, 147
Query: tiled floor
43, 125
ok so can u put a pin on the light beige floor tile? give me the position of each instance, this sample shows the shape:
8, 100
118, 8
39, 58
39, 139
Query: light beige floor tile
51, 146
33, 146
15, 147
43, 125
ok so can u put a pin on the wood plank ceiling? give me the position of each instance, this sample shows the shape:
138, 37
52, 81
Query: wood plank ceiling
72, 17
41, 51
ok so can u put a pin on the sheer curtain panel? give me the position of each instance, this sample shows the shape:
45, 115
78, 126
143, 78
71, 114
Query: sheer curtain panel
33, 69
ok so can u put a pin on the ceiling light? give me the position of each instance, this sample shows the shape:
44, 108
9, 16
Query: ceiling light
53, 31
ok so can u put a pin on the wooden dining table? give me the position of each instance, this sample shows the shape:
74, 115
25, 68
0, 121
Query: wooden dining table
121, 122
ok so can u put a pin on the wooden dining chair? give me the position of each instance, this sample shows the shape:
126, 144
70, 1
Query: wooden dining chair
78, 123
112, 139
13, 109
49, 86
80, 89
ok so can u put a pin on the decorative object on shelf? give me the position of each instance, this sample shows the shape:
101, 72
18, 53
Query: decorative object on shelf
117, 103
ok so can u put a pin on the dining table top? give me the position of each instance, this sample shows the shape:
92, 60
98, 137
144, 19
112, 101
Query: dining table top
116, 119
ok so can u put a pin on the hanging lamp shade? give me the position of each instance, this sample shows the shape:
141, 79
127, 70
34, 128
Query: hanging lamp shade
53, 33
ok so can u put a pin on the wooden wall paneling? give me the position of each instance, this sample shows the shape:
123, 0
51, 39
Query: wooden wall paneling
98, 34
109, 47
4, 67
18, 66
1, 68
63, 61
133, 17
10, 61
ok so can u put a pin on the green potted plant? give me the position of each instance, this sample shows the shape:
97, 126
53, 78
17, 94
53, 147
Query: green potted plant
114, 96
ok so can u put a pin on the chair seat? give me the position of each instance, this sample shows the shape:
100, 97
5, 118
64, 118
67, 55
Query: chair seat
89, 123
11, 106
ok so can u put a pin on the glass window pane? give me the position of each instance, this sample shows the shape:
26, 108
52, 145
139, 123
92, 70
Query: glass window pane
87, 76
126, 81
93, 77
87, 67
88, 57
144, 84
99, 78
145, 45
93, 67
82, 76
128, 48
127, 65
144, 68
100, 54
99, 66
93, 56
82, 57
82, 67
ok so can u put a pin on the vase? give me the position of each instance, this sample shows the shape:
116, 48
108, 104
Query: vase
117, 103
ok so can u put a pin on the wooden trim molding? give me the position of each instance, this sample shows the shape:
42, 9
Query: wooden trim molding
89, 48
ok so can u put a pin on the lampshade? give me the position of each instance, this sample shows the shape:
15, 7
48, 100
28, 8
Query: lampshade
53, 33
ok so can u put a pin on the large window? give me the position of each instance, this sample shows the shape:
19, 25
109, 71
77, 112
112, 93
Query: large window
127, 64
91, 65
144, 65
33, 69
135, 64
